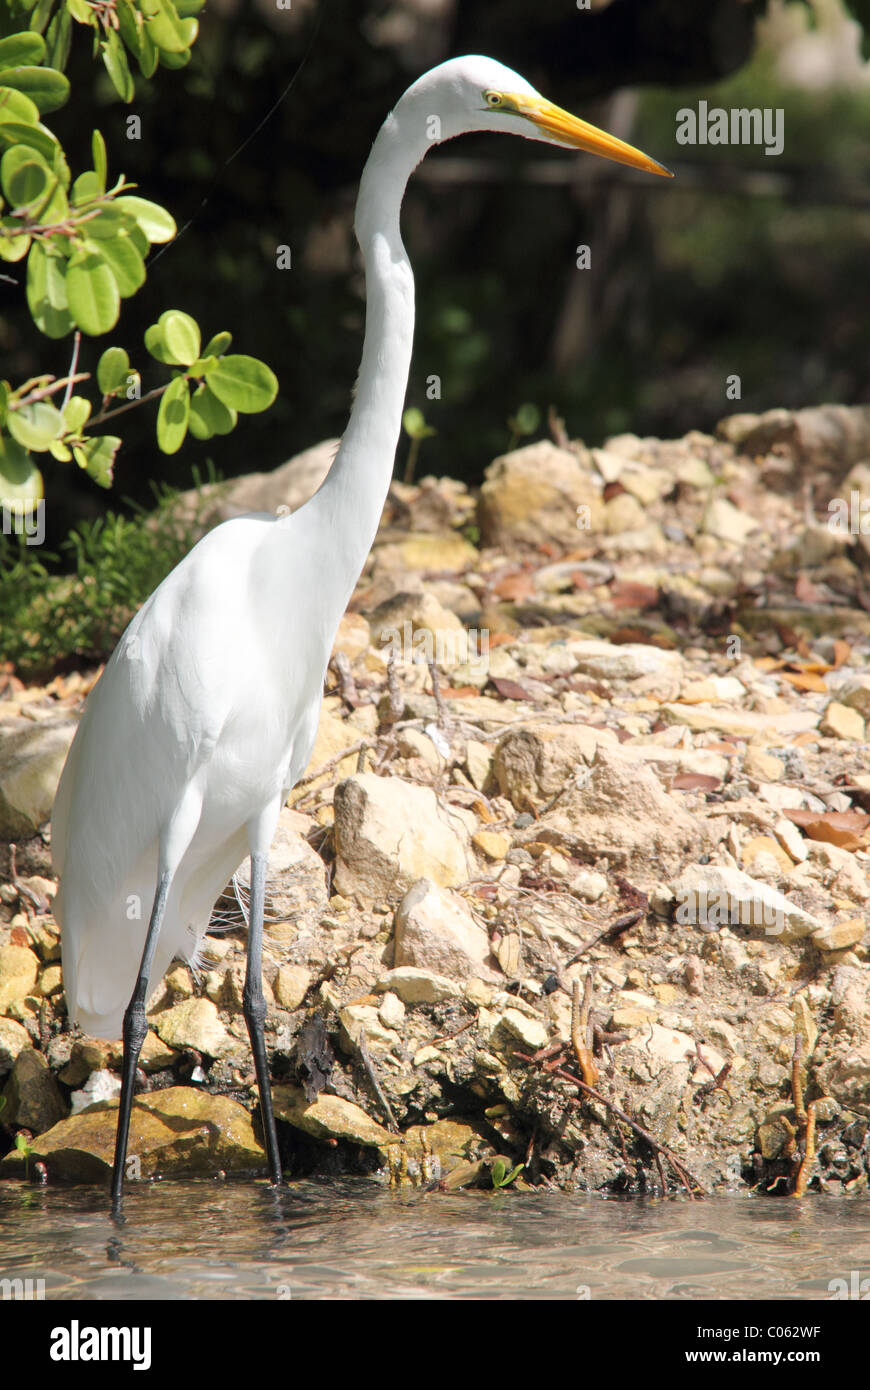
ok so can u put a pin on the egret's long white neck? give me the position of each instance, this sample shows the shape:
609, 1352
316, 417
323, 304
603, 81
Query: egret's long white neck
348, 505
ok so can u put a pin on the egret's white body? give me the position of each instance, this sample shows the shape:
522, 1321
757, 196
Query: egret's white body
206, 693
206, 714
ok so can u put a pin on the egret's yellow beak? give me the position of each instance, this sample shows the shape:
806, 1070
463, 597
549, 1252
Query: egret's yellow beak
570, 130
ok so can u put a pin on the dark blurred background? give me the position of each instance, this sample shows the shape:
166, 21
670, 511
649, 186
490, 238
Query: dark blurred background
745, 263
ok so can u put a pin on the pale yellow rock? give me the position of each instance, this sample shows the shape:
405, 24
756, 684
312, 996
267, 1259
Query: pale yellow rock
180, 1131
478, 761
416, 986
415, 626
765, 845
841, 721
361, 1021
414, 743
623, 513
391, 1011
291, 985
712, 689
428, 551
741, 723
509, 952
14, 1037
329, 1117
666, 994
31, 761
19, 968
535, 763
839, 936
539, 493
436, 931
761, 766
476, 992
629, 1016
194, 1023
50, 980
389, 833
426, 1054
791, 840
530, 1031
179, 983
724, 521
494, 844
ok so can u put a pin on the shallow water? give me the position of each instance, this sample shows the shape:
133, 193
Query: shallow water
353, 1239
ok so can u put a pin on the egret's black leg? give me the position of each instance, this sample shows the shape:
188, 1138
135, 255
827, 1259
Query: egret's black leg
135, 1028
254, 1009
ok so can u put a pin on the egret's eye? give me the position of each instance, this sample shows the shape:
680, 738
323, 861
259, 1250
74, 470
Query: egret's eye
493, 99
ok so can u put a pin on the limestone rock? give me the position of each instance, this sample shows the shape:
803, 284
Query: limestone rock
842, 721
491, 843
839, 936
389, 833
424, 552
416, 986
535, 763
850, 1000
856, 695
538, 494
612, 661
530, 1032
621, 813
178, 1132
19, 968
396, 622
721, 896
291, 985
845, 1075
724, 521
13, 1040
195, 1023
33, 1097
363, 1022
329, 1117
31, 761
436, 931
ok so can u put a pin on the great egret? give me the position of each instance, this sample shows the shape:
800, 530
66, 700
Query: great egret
206, 713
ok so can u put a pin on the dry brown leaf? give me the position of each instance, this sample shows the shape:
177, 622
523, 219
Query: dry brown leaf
625, 594
844, 828
508, 689
515, 586
805, 680
695, 782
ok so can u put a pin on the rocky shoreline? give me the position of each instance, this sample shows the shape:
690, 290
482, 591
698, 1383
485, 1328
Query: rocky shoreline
574, 892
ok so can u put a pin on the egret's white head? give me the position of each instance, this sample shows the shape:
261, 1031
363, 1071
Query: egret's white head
477, 93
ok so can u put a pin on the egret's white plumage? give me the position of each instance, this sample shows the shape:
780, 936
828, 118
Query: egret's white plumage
206, 714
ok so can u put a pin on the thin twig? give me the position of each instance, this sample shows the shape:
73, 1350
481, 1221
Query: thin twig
346, 682
330, 764
376, 1085
445, 723
580, 1028
130, 405
77, 342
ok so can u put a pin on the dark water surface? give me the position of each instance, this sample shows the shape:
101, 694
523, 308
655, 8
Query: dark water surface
354, 1239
